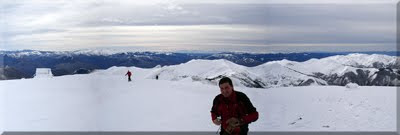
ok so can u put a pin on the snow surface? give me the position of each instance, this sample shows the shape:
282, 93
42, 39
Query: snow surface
106, 101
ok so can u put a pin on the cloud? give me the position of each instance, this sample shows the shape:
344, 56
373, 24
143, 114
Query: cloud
85, 24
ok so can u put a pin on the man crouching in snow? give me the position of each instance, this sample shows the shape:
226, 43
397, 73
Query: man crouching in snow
234, 108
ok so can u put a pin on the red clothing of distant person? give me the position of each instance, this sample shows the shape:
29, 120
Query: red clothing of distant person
129, 73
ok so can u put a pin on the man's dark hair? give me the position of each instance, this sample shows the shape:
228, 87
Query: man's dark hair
225, 80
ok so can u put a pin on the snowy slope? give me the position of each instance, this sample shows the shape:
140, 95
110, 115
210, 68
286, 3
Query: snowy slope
279, 73
270, 74
199, 70
59, 103
340, 64
377, 70
105, 101
336, 70
363, 60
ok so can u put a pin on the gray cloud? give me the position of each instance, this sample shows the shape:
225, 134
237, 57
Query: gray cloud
103, 23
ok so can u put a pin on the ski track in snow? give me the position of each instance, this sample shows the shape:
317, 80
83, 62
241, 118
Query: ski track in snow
105, 101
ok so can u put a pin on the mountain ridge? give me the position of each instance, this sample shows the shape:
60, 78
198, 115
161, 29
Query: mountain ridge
278, 73
278, 69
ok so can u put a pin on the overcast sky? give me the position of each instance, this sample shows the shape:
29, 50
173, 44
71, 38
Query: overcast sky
209, 25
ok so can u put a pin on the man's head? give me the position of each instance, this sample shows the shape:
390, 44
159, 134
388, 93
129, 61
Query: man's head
226, 86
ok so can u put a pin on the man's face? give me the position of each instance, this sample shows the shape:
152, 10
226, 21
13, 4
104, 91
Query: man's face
226, 89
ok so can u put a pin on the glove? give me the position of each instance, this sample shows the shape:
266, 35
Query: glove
232, 124
217, 122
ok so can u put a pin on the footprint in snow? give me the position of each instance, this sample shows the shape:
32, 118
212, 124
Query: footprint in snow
294, 122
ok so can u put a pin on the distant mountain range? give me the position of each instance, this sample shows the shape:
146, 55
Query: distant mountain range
261, 70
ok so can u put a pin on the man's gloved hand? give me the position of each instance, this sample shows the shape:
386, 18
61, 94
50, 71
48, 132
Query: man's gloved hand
217, 122
232, 124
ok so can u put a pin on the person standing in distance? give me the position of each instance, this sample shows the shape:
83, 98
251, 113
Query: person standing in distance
129, 74
232, 110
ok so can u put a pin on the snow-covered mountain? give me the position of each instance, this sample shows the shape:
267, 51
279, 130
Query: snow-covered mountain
210, 71
67, 62
251, 70
336, 70
381, 70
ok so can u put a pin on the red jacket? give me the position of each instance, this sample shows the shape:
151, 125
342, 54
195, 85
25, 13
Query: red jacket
237, 105
129, 73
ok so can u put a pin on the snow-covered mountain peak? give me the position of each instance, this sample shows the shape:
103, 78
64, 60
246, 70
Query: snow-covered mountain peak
23, 53
362, 60
336, 69
271, 74
104, 52
327, 71
219, 63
